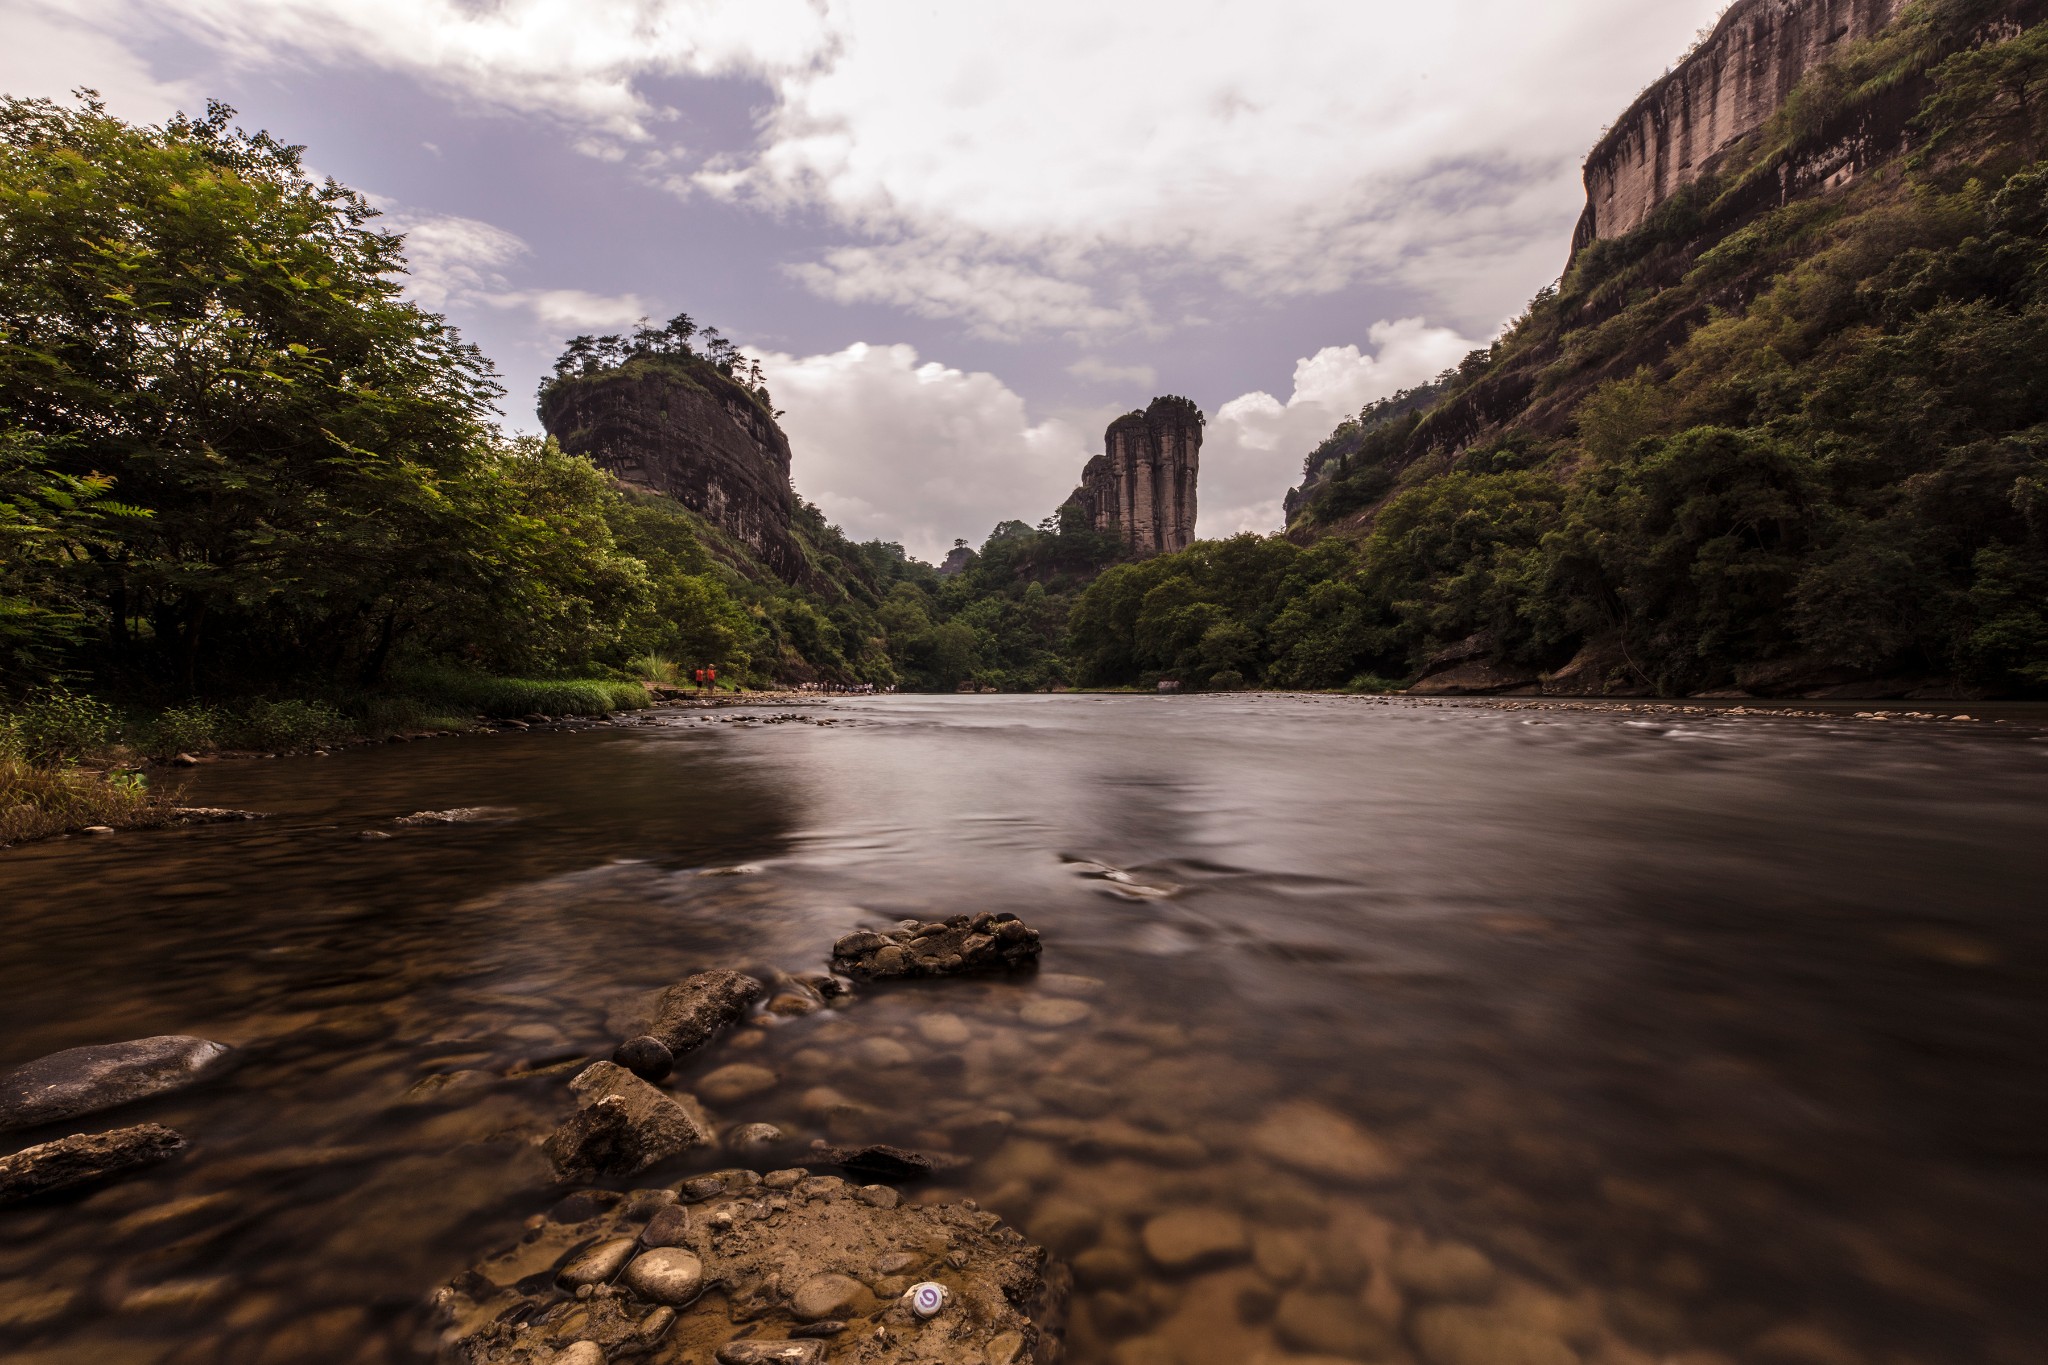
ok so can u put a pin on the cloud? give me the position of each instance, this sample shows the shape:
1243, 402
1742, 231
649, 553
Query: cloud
1254, 444
460, 262
1000, 300
893, 447
452, 258
1096, 370
52, 50
572, 310
579, 61
1052, 166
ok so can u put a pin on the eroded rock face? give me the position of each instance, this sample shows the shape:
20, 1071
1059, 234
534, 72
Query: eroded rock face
792, 1268
1143, 484
86, 1080
953, 947
1729, 87
689, 433
85, 1157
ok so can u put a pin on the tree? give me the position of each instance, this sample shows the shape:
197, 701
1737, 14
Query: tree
184, 311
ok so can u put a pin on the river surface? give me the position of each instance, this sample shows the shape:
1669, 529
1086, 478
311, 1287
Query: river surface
1684, 1039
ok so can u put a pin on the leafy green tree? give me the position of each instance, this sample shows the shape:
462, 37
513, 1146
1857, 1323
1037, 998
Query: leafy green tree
183, 310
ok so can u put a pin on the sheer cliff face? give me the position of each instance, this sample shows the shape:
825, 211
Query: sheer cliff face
1143, 485
694, 436
1726, 89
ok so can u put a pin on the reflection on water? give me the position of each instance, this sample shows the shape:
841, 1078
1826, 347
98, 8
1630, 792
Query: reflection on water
1708, 1039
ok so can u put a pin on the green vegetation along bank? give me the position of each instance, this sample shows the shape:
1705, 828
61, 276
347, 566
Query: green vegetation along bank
1777, 446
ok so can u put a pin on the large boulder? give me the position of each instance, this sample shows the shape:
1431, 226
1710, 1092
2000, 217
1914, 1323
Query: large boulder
85, 1157
86, 1080
686, 1017
793, 1268
953, 947
624, 1126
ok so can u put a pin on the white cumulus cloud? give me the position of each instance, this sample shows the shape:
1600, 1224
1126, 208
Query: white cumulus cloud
1254, 444
1048, 166
893, 447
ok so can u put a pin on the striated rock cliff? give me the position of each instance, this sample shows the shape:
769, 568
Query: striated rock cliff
1726, 89
1143, 484
686, 431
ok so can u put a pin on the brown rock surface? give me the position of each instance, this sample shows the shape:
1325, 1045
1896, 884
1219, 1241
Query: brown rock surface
773, 1254
1729, 87
1143, 484
686, 1016
686, 431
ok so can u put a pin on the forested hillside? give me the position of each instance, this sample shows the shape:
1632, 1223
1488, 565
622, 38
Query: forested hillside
1773, 446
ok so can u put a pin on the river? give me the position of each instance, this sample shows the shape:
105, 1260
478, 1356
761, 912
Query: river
1715, 1037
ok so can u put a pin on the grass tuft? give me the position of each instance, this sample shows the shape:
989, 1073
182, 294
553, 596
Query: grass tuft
39, 800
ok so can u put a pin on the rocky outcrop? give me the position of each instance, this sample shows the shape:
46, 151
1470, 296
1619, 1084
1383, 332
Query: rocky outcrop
1727, 88
1143, 484
687, 431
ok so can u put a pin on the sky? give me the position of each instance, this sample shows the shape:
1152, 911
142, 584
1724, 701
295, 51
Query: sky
960, 237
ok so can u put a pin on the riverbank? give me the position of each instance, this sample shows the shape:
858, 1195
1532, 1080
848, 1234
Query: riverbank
71, 764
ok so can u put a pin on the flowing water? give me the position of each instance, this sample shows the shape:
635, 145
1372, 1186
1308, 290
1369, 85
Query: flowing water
1693, 1038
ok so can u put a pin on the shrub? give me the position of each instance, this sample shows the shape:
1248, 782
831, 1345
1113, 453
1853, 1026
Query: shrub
185, 729
481, 694
55, 724
293, 724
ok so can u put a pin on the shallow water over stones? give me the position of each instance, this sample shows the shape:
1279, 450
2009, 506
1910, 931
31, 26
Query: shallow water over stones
1364, 1030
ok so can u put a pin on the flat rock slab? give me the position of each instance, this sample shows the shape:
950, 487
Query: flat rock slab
85, 1080
624, 1126
781, 1259
85, 1157
955, 947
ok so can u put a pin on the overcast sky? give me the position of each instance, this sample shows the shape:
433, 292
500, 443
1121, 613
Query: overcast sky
961, 236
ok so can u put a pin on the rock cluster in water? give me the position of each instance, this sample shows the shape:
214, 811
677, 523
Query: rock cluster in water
953, 947
751, 1270
743, 1268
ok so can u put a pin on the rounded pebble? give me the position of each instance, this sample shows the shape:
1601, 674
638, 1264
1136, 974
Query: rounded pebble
755, 1137
646, 1057
738, 1081
883, 1052
943, 1030
1055, 1013
668, 1275
1187, 1238
598, 1264
830, 1295
579, 1353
